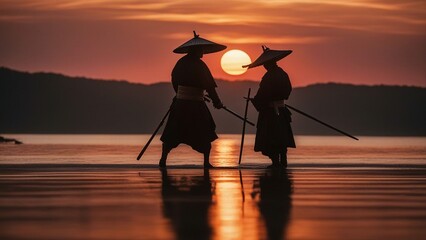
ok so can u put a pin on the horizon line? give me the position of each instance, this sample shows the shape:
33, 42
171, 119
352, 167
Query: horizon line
217, 79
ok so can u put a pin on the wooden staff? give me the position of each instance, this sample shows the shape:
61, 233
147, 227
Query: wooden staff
244, 127
153, 135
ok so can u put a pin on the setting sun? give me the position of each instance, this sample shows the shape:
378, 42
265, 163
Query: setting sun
233, 60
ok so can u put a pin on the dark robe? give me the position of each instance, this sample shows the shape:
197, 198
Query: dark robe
274, 133
190, 121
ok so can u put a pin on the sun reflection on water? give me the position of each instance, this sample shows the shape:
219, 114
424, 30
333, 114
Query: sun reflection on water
232, 216
225, 152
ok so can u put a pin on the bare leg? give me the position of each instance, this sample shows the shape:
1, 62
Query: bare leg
207, 159
164, 154
275, 160
283, 159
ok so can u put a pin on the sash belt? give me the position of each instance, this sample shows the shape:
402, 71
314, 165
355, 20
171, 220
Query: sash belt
276, 105
190, 93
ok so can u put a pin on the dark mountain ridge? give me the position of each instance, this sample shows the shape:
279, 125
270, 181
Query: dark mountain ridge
55, 103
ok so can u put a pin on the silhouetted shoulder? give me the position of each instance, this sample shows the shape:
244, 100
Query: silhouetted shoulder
277, 74
193, 72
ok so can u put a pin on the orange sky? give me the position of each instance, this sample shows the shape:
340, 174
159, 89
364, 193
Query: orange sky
351, 41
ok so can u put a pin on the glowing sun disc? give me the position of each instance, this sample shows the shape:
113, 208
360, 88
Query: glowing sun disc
233, 60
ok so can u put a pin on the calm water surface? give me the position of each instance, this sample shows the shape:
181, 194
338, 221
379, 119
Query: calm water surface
91, 187
309, 203
123, 149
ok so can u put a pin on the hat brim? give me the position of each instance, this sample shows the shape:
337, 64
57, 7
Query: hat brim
269, 56
197, 42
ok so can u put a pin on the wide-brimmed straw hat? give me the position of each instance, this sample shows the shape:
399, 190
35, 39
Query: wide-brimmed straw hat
206, 45
268, 55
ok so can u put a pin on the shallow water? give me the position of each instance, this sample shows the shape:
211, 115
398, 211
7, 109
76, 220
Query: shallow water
92, 187
110, 203
123, 149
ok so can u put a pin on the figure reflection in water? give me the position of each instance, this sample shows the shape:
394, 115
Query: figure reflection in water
274, 190
186, 203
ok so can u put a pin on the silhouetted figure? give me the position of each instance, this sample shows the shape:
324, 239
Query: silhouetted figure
274, 134
186, 203
7, 140
190, 121
274, 189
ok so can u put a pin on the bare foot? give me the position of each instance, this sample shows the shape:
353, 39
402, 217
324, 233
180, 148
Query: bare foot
208, 165
162, 163
272, 166
283, 161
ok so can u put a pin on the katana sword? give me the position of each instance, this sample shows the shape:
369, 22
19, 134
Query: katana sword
231, 112
155, 133
319, 121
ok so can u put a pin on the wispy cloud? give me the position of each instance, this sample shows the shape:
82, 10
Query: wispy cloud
390, 16
206, 18
237, 38
14, 18
346, 3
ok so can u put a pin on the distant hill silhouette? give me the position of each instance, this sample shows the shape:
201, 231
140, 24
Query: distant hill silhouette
54, 103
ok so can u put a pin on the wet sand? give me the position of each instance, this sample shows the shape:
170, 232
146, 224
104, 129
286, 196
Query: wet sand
130, 202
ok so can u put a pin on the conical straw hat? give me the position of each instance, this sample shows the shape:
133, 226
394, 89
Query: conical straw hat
269, 55
206, 45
